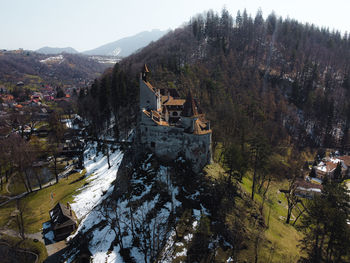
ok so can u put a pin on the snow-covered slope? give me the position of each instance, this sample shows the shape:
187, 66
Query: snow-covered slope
126, 46
140, 224
105, 220
100, 180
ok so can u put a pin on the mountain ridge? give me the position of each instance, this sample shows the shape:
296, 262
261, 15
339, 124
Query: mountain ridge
127, 45
122, 47
56, 50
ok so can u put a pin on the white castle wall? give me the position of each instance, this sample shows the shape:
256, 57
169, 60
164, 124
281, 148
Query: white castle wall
148, 99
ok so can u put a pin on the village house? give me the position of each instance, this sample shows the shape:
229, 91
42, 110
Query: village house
7, 98
63, 221
171, 127
307, 189
346, 164
327, 167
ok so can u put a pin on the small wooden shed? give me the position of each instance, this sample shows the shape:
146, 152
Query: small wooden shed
63, 221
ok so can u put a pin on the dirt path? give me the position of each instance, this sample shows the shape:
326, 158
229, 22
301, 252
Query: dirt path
13, 233
50, 248
8, 183
55, 247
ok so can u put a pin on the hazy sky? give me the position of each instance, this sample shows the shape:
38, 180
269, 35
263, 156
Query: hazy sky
87, 24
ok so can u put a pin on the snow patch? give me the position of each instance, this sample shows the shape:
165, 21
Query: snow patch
183, 253
100, 179
54, 59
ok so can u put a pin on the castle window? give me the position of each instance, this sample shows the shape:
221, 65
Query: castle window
153, 144
175, 113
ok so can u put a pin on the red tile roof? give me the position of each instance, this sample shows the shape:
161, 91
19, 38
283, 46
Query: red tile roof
174, 102
200, 128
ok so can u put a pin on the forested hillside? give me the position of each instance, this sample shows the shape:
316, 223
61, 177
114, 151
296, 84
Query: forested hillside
39, 69
272, 88
273, 78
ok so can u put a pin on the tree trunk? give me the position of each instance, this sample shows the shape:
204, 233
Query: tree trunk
254, 177
23, 181
38, 179
20, 222
264, 195
289, 213
256, 248
55, 168
7, 175
108, 161
296, 219
28, 180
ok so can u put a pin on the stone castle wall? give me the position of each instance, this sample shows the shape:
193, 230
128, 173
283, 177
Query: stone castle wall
168, 142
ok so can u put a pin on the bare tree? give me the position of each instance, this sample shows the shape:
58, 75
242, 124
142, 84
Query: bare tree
110, 210
301, 211
152, 229
22, 159
292, 198
55, 137
19, 213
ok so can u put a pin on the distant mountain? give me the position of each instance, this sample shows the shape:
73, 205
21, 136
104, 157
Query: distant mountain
128, 45
56, 50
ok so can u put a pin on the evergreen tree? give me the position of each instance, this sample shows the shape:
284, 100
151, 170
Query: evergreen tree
325, 226
337, 172
236, 162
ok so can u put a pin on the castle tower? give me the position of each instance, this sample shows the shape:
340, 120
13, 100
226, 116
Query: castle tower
190, 107
144, 73
189, 114
149, 96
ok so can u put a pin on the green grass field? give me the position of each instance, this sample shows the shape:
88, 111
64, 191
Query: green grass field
279, 241
38, 204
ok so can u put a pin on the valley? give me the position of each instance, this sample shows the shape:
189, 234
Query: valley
224, 140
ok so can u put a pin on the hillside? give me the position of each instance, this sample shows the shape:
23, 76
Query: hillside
56, 50
280, 78
276, 94
37, 69
128, 45
296, 76
273, 89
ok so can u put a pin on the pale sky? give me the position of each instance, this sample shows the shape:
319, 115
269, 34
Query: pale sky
87, 24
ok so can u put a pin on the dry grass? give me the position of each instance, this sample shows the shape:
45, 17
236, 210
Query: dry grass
279, 241
38, 204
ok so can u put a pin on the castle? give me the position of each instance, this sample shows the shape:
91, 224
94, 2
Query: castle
171, 127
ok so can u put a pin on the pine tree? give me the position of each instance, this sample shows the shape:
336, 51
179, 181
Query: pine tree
325, 226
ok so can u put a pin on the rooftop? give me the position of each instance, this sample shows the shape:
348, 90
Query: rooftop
174, 102
61, 216
200, 128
